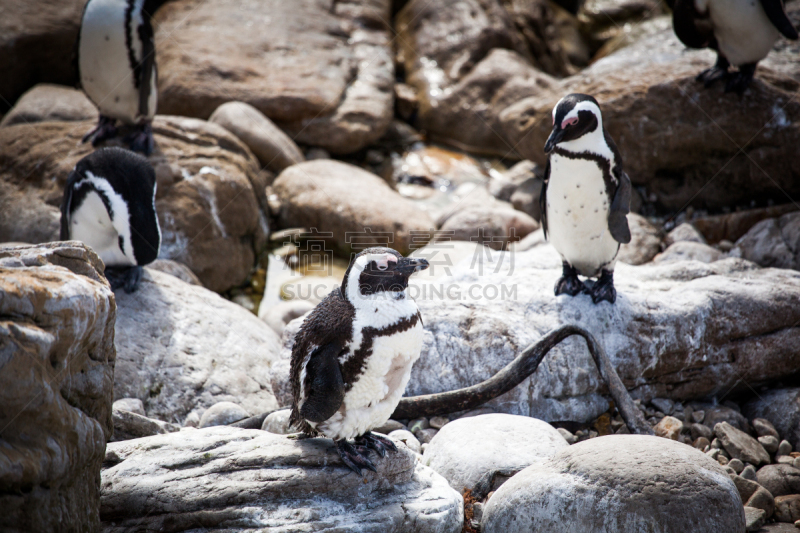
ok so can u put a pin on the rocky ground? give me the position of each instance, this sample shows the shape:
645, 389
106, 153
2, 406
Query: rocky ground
284, 130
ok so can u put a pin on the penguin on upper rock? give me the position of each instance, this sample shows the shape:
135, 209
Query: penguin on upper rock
742, 32
109, 204
117, 68
585, 198
352, 357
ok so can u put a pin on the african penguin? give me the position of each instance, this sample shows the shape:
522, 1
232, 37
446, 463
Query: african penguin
109, 204
742, 32
585, 197
117, 66
352, 357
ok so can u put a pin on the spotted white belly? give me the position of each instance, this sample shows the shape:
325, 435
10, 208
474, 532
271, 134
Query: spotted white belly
374, 397
106, 74
577, 215
91, 225
743, 31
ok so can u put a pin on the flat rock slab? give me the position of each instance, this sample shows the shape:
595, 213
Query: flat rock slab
322, 71
207, 199
182, 348
229, 479
619, 484
480, 452
740, 445
680, 330
56, 386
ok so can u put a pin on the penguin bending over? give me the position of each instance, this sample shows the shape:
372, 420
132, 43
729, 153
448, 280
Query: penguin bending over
742, 32
352, 357
117, 68
109, 204
585, 197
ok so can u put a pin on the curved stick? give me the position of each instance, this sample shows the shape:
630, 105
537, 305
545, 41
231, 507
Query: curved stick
514, 373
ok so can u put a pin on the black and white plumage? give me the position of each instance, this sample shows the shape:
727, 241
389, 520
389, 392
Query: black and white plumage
352, 357
117, 67
742, 32
109, 204
585, 197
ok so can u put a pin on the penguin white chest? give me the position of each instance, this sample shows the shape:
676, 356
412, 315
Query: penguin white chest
374, 395
91, 224
743, 31
577, 215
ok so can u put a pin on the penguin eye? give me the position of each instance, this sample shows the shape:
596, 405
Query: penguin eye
569, 122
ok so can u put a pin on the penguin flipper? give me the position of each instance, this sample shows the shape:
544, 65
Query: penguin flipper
324, 384
620, 207
543, 197
777, 16
692, 28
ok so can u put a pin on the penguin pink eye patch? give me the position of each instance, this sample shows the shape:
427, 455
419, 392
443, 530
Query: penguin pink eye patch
383, 262
569, 122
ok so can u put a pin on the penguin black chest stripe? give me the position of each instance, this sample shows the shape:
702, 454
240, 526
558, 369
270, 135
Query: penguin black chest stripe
603, 163
354, 366
134, 63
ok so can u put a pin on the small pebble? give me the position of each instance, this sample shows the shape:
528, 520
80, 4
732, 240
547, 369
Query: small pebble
592, 434
729, 470
784, 448
569, 437
698, 416
764, 427
665, 405
721, 459
713, 453
701, 442
425, 435
418, 424
797, 462
405, 436
737, 465
769, 443
716, 444
192, 420
669, 427
389, 426
699, 430
134, 405
438, 422
725, 454
749, 472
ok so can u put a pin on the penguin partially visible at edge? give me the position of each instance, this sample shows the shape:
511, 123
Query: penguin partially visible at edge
742, 32
585, 197
352, 357
117, 68
109, 204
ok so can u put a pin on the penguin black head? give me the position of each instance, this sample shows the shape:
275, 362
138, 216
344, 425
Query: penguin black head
574, 116
379, 271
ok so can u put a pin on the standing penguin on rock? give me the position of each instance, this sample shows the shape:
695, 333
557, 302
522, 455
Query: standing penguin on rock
117, 66
352, 357
742, 32
585, 198
109, 204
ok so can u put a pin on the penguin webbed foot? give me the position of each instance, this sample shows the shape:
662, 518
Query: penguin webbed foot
141, 140
739, 81
569, 282
717, 72
604, 289
376, 442
126, 278
106, 129
354, 456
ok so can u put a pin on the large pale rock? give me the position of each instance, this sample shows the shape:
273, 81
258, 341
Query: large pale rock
182, 348
46, 102
495, 227
781, 407
481, 452
207, 199
231, 479
37, 43
689, 251
619, 484
331, 196
273, 148
681, 330
645, 241
56, 386
669, 129
323, 72
774, 242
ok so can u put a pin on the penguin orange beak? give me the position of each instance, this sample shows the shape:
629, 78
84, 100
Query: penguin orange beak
555, 137
409, 265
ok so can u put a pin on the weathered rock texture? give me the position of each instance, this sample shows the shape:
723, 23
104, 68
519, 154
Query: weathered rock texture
782, 408
619, 484
182, 348
357, 207
56, 386
227, 479
207, 199
321, 71
680, 330
37, 40
774, 242
45, 102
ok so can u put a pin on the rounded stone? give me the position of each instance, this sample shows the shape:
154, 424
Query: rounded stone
474, 450
222, 413
619, 484
277, 422
407, 438
134, 405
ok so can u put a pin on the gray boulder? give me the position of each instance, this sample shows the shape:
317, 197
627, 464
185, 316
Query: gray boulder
130, 425
222, 414
689, 251
229, 479
774, 242
740, 445
779, 480
481, 452
781, 407
182, 348
619, 484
